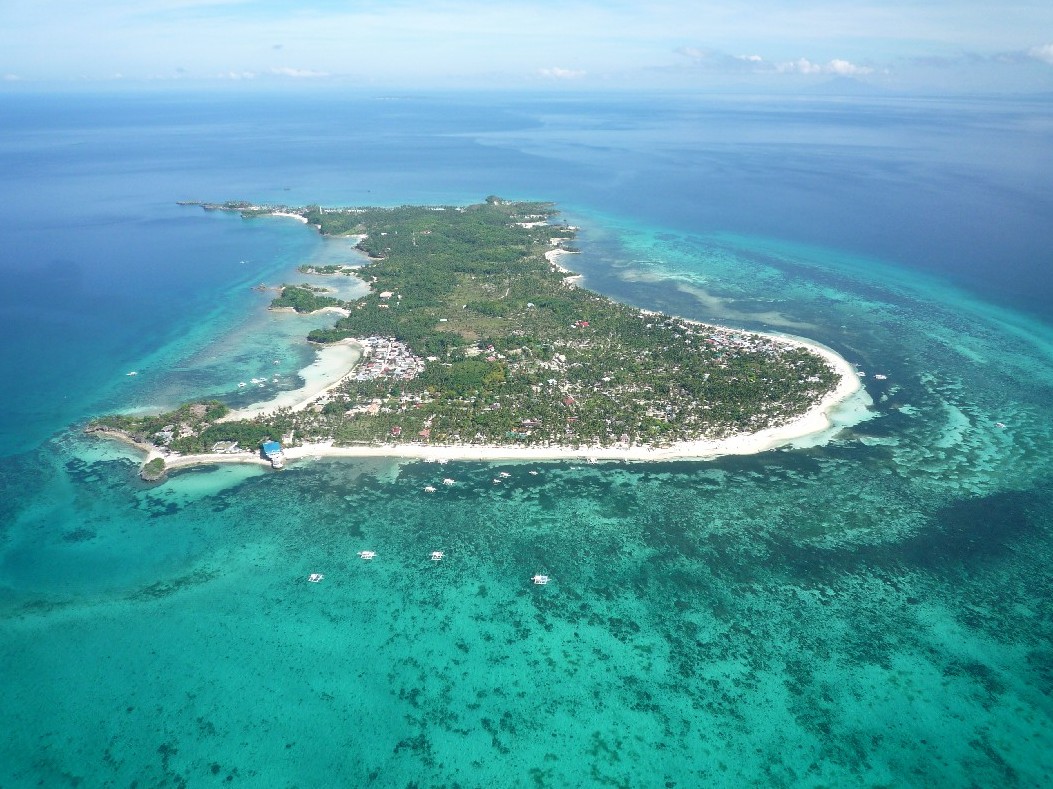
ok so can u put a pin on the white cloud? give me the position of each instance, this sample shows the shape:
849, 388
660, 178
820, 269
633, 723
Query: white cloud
692, 52
237, 75
561, 73
298, 73
836, 66
1043, 53
12, 78
750, 58
846, 69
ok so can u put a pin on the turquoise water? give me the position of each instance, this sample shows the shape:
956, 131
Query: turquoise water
874, 611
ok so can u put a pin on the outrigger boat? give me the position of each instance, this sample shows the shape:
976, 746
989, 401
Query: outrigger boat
540, 580
315, 577
367, 555
437, 556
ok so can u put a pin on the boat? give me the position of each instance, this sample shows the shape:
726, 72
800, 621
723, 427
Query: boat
315, 577
448, 481
532, 473
429, 488
880, 376
504, 474
437, 556
540, 580
497, 480
241, 384
367, 555
1000, 424
133, 372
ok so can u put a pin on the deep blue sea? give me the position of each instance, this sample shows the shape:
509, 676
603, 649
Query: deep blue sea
875, 611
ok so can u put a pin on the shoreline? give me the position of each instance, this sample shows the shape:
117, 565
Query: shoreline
813, 423
334, 363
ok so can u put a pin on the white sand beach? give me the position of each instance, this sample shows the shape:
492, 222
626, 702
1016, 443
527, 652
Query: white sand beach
814, 422
291, 216
334, 363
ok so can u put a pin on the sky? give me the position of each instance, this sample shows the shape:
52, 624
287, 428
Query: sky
957, 46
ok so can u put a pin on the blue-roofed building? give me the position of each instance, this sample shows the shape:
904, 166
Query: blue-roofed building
272, 450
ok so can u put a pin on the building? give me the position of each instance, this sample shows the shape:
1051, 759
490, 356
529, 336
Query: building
272, 450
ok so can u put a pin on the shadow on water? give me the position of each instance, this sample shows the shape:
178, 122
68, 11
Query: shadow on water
961, 537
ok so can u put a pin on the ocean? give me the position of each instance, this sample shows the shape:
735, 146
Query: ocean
873, 611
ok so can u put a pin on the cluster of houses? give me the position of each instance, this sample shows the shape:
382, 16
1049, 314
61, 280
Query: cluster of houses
386, 357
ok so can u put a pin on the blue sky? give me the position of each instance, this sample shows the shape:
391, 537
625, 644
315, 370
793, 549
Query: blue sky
926, 45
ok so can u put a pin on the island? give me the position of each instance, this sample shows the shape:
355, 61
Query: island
476, 341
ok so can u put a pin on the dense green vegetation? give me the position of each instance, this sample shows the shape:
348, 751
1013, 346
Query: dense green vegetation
304, 298
153, 470
515, 352
191, 428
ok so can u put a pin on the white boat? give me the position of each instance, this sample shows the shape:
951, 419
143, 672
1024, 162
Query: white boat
367, 555
241, 384
437, 556
540, 580
504, 474
429, 489
133, 372
448, 481
315, 577
880, 376
497, 481
1000, 424
532, 473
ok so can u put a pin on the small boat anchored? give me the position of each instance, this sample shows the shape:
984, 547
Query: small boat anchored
429, 488
315, 577
448, 481
540, 580
367, 555
437, 556
133, 372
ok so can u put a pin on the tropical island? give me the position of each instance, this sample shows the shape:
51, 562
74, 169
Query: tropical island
474, 341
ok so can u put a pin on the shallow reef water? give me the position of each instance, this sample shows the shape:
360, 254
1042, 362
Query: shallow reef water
873, 611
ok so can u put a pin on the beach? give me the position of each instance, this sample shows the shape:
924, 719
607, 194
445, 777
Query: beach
814, 422
336, 362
